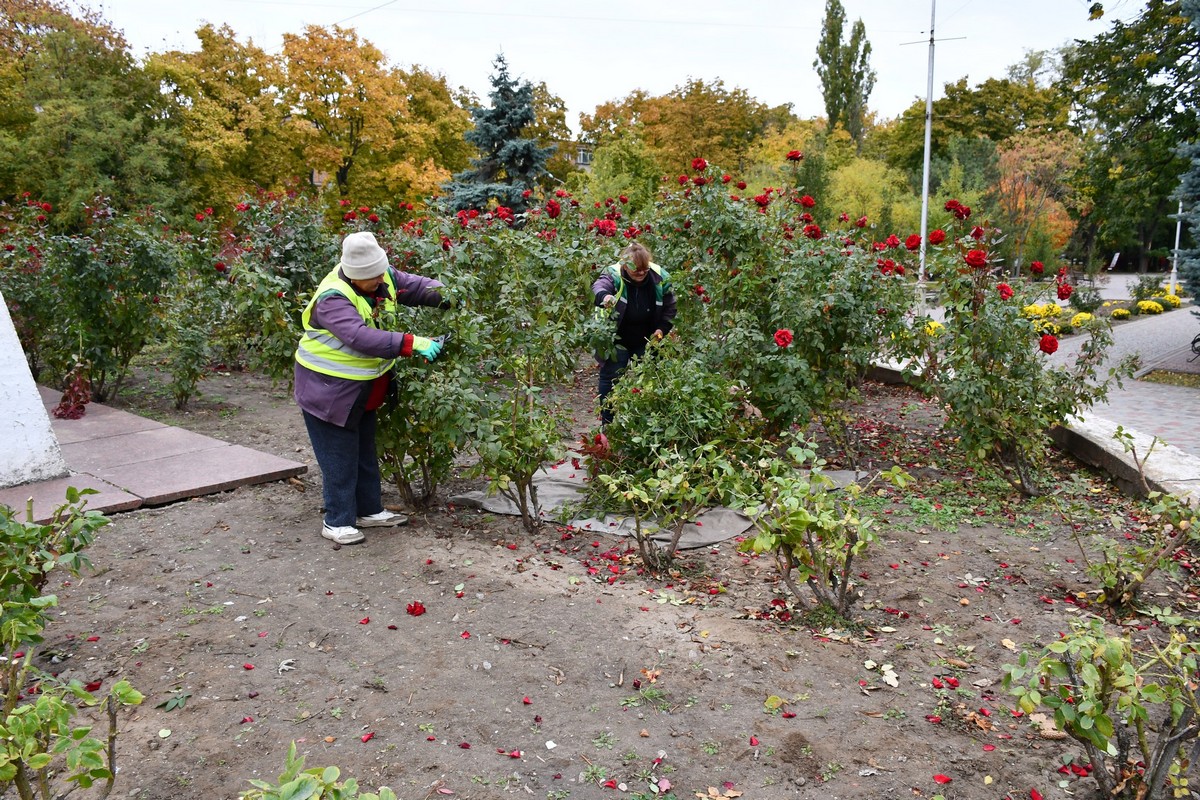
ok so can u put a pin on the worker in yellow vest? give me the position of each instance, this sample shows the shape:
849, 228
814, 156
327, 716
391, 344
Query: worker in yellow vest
343, 366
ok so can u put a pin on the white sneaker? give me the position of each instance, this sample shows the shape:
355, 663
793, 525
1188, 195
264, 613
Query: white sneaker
384, 519
342, 534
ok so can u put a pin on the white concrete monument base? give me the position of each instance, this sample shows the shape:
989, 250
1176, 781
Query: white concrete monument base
30, 452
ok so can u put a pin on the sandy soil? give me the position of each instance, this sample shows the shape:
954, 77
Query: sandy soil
545, 665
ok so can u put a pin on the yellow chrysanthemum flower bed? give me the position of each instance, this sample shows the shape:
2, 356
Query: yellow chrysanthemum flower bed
1121, 313
1042, 311
1149, 307
1081, 319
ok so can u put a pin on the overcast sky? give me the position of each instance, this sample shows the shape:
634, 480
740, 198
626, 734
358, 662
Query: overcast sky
591, 52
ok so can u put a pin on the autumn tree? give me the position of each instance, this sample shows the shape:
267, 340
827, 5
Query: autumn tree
995, 109
550, 129
1031, 189
509, 161
844, 70
1134, 109
697, 119
227, 98
78, 117
428, 144
623, 165
345, 101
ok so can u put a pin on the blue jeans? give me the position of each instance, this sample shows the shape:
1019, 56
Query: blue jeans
349, 468
610, 371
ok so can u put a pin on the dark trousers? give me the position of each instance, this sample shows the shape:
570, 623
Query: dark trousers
610, 371
349, 468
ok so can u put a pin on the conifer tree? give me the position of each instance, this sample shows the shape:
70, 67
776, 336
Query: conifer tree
508, 164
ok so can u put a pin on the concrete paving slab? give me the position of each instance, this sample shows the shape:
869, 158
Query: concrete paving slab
133, 447
99, 423
164, 480
132, 461
49, 495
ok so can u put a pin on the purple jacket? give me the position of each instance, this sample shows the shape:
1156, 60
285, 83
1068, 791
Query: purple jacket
330, 398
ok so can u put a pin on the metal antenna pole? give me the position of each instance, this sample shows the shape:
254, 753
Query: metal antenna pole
925, 173
1171, 289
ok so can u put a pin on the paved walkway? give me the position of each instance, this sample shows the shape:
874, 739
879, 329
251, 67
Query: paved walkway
1163, 342
132, 461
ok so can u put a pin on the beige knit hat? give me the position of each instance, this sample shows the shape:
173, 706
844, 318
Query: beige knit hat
362, 257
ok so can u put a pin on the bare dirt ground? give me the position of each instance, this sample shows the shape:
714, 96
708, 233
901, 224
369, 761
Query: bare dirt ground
544, 665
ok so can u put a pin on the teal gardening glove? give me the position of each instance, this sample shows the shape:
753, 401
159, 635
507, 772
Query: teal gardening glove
426, 348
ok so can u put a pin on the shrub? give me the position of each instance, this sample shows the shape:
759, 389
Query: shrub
1085, 298
319, 783
1134, 713
37, 740
1146, 287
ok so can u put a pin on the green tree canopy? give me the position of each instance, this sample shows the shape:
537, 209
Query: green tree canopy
78, 118
844, 70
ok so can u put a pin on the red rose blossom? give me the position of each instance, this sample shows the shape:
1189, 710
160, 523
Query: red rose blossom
794, 155
812, 231
892, 241
861, 222
741, 185
937, 236
1005, 291
699, 180
553, 209
783, 337
913, 242
976, 258
807, 201
699, 164
977, 233
1065, 290
1037, 268
1048, 344
683, 179
951, 205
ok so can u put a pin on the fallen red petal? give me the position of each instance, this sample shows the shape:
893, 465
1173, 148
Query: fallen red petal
987, 748
754, 741
247, 719
247, 666
92, 686
366, 737
465, 634
942, 779
93, 638
464, 745
364, 620
526, 700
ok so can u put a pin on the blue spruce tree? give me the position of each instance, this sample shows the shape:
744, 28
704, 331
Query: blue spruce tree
508, 165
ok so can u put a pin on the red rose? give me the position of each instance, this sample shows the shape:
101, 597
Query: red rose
886, 265
812, 231
623, 199
794, 155
605, 227
806, 217
699, 164
783, 337
242, 206
893, 241
699, 180
1065, 290
349, 216
976, 258
913, 242
683, 179
344, 203
951, 205
553, 209
373, 218
48, 208
843, 217
937, 237
1037, 268
1048, 344
962, 212
726, 178
525, 194
1005, 291
763, 200
741, 184
807, 201
977, 233
200, 216
861, 222
219, 266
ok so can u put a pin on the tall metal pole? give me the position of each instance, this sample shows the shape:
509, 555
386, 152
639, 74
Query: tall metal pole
1175, 259
925, 173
